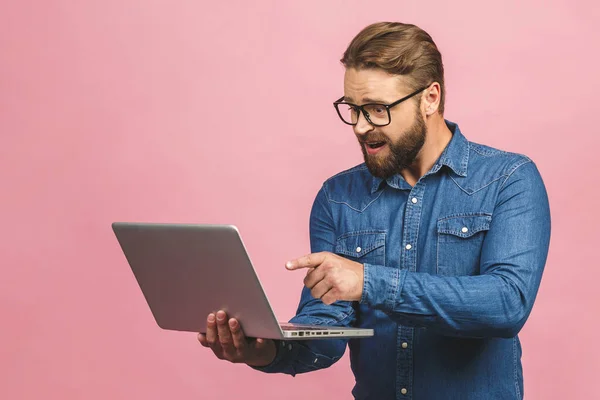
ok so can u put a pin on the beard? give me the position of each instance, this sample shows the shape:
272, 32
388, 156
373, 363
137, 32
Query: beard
402, 153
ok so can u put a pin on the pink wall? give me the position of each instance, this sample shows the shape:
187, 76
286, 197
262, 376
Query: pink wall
157, 111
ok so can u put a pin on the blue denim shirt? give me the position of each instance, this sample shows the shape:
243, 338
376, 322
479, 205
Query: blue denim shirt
452, 267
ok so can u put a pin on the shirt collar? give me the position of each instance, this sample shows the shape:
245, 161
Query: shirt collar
455, 156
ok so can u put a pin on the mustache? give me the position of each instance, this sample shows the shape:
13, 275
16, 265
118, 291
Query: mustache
371, 138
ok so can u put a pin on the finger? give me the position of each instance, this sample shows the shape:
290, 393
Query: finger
239, 339
318, 274
202, 339
212, 337
308, 261
330, 297
319, 290
224, 333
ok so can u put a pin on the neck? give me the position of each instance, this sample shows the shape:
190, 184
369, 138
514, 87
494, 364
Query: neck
438, 137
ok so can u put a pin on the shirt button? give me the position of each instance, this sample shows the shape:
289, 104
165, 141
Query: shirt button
414, 200
404, 345
465, 229
316, 359
403, 391
358, 249
408, 246
289, 346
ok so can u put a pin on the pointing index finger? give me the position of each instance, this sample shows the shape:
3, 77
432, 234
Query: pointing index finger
309, 261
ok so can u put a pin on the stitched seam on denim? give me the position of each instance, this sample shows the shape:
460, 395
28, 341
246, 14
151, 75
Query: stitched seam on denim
460, 215
411, 364
375, 188
400, 285
360, 167
418, 226
330, 321
384, 249
379, 242
343, 317
330, 210
478, 190
487, 151
363, 252
440, 232
467, 235
356, 209
437, 254
458, 231
517, 166
366, 272
515, 368
326, 191
391, 300
366, 249
328, 200
363, 232
465, 161
477, 148
454, 230
434, 170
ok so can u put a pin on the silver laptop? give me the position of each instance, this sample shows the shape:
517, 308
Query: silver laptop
187, 271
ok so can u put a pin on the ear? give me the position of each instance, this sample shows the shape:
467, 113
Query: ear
431, 98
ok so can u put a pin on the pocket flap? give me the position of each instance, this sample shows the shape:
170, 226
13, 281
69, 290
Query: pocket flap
358, 244
464, 226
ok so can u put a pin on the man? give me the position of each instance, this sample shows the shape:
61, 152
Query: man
436, 242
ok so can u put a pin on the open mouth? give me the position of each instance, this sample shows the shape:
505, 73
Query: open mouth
375, 145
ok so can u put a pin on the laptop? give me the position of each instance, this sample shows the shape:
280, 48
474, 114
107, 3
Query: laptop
187, 271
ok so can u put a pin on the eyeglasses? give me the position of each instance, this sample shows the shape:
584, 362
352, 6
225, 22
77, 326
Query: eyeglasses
376, 114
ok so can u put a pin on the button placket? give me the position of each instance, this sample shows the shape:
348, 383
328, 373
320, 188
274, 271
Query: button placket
408, 257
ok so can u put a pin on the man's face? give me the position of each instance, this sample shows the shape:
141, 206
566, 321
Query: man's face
389, 149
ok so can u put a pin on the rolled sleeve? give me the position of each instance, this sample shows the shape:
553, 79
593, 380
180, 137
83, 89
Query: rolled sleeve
381, 286
282, 356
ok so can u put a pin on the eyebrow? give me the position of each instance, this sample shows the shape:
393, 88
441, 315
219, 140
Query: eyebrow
366, 100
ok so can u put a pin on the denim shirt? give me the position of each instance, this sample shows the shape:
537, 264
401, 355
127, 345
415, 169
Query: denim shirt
452, 267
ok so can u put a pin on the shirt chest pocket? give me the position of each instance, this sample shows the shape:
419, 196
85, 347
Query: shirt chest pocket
362, 246
459, 242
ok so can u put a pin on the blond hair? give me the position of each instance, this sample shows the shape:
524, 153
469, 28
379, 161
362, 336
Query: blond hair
398, 49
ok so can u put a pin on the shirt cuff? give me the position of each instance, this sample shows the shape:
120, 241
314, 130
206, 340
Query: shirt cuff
382, 286
282, 352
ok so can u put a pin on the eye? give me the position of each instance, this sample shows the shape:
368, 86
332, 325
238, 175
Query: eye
379, 109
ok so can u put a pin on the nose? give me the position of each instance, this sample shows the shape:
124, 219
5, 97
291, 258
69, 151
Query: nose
362, 125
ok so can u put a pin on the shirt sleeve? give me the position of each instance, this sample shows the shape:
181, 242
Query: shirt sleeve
301, 356
495, 303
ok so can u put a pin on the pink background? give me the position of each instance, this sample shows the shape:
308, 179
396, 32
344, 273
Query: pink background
187, 112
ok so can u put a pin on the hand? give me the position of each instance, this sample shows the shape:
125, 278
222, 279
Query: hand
331, 277
228, 342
